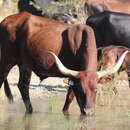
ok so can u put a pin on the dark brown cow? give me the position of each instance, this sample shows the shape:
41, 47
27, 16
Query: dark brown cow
111, 54
26, 40
8, 92
97, 6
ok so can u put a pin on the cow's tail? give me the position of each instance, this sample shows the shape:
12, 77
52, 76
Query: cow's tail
6, 85
99, 51
8, 92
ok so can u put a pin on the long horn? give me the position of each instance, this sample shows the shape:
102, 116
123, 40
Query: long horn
114, 68
62, 68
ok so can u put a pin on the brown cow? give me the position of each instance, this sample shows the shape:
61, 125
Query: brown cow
26, 40
111, 54
96, 6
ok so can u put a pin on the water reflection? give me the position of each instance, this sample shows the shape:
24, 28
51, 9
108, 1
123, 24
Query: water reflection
13, 118
48, 116
80, 123
37, 122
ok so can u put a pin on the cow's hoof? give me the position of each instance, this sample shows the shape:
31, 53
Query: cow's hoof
88, 112
65, 112
29, 110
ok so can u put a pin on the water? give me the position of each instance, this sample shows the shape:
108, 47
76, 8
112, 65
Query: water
48, 116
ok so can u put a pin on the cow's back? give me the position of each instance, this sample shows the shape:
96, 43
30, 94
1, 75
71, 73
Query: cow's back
97, 6
118, 27
111, 28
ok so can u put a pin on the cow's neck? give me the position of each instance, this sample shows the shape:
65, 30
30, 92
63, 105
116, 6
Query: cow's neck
91, 53
91, 59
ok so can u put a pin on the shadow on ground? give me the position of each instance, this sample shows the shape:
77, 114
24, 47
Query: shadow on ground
57, 88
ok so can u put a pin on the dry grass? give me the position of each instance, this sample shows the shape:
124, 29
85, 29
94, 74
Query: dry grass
106, 95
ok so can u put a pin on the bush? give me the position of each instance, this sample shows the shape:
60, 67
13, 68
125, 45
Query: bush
74, 9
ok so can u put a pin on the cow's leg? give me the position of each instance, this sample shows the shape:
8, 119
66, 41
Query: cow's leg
128, 73
23, 85
69, 97
129, 78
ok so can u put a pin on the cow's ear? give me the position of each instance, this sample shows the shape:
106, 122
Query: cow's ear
75, 38
68, 81
105, 80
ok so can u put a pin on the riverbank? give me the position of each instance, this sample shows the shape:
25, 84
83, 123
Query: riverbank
49, 87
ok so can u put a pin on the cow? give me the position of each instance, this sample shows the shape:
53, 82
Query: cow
110, 28
8, 92
30, 41
97, 6
111, 54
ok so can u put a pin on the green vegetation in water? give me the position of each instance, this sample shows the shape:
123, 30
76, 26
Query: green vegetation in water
52, 103
128, 113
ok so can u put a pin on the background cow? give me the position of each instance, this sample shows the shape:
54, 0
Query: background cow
26, 40
111, 54
97, 6
110, 28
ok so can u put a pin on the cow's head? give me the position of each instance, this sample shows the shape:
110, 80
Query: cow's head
95, 7
84, 83
85, 87
108, 59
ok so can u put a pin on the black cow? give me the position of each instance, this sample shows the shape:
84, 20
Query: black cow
111, 28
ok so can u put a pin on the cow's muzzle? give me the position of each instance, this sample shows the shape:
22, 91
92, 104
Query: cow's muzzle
88, 112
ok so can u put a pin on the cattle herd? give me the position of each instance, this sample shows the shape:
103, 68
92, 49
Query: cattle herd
51, 48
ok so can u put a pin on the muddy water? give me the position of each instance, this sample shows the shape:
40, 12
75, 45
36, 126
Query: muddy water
48, 116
